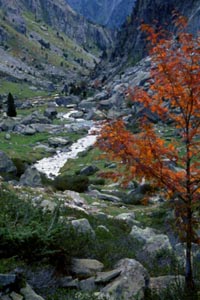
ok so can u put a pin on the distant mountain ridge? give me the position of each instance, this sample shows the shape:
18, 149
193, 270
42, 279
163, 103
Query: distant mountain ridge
111, 13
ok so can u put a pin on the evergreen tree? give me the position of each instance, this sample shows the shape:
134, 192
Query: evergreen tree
11, 110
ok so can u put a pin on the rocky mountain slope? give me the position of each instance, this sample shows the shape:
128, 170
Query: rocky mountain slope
131, 42
111, 13
41, 46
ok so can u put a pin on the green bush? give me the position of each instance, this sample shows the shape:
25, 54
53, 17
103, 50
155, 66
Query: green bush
20, 165
97, 181
77, 183
33, 235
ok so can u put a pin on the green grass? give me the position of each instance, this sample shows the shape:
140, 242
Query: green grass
22, 46
21, 90
91, 157
22, 146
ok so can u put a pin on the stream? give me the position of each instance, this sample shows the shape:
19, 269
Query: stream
51, 165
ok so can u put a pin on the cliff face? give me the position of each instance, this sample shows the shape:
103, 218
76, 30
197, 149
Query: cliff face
111, 13
45, 41
131, 41
61, 16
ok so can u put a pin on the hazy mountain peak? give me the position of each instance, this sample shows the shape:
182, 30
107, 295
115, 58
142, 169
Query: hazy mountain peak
111, 13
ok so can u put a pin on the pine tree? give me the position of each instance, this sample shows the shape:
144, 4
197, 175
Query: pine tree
11, 110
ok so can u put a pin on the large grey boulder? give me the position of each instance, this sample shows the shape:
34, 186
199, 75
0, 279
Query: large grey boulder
34, 118
151, 241
6, 164
82, 226
130, 284
58, 142
28, 130
86, 267
31, 178
8, 124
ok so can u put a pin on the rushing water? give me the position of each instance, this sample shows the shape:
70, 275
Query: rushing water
51, 165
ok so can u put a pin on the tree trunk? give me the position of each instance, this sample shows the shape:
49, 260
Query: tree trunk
189, 281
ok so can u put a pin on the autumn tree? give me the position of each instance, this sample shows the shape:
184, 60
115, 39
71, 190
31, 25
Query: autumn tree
172, 164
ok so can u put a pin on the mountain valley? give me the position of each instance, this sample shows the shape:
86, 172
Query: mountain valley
69, 230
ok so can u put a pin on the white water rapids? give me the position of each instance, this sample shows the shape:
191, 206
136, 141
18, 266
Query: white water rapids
51, 165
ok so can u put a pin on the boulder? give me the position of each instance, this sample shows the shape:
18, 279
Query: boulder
7, 137
35, 118
89, 170
48, 205
107, 277
77, 114
31, 177
8, 124
67, 282
101, 96
16, 296
142, 235
58, 142
128, 218
28, 130
152, 242
88, 284
82, 226
50, 113
9, 282
29, 293
75, 198
86, 267
131, 283
104, 196
65, 101
95, 114
6, 164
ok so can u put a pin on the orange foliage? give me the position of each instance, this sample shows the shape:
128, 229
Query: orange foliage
174, 95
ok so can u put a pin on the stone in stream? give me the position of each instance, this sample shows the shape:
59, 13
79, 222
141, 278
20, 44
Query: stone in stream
58, 142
